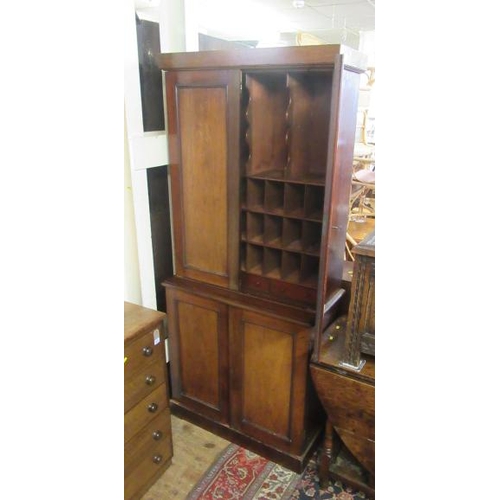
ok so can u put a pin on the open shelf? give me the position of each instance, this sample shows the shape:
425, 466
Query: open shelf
255, 194
309, 270
287, 118
309, 122
272, 263
279, 175
285, 128
254, 228
311, 237
313, 202
267, 101
274, 197
254, 257
292, 234
290, 267
294, 200
273, 230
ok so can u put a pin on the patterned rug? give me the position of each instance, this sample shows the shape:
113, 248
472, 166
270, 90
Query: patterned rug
239, 474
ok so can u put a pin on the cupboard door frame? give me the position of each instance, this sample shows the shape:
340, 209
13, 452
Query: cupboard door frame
178, 369
292, 439
229, 81
337, 191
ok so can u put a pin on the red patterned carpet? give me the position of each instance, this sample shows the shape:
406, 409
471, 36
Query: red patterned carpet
239, 474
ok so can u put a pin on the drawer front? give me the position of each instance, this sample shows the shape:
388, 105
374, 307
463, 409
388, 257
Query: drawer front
255, 283
293, 292
148, 348
147, 470
155, 438
139, 385
145, 411
278, 290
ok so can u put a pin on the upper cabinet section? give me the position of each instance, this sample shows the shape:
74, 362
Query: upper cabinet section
260, 170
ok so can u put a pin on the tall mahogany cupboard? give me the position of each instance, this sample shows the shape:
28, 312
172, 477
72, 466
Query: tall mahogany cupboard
260, 145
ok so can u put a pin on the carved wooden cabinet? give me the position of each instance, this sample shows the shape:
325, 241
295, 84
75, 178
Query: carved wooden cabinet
361, 319
148, 434
260, 145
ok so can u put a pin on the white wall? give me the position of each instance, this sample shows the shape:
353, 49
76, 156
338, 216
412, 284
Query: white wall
132, 281
367, 46
145, 150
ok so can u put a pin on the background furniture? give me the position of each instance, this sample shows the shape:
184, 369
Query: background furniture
345, 380
360, 337
261, 146
148, 434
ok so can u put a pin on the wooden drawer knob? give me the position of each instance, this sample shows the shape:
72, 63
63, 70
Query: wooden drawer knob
150, 380
152, 407
147, 351
157, 459
157, 435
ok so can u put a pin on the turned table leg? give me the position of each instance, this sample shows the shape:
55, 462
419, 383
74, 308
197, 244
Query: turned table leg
326, 455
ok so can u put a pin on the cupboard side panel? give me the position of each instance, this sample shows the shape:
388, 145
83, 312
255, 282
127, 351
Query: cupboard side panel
337, 190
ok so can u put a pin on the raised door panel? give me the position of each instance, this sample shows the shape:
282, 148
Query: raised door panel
203, 119
268, 368
199, 353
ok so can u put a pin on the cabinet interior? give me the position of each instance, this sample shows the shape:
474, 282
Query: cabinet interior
285, 125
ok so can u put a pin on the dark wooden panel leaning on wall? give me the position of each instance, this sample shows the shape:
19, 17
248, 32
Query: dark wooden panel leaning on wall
159, 209
148, 44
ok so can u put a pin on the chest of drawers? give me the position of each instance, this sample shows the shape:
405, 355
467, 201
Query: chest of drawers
148, 434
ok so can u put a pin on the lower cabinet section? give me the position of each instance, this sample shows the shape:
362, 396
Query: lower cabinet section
243, 373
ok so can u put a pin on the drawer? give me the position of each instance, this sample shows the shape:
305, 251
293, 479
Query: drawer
257, 283
155, 438
296, 293
139, 385
145, 411
148, 348
147, 471
278, 290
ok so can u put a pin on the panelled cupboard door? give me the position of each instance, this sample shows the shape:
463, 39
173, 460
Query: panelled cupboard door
199, 353
268, 378
203, 127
